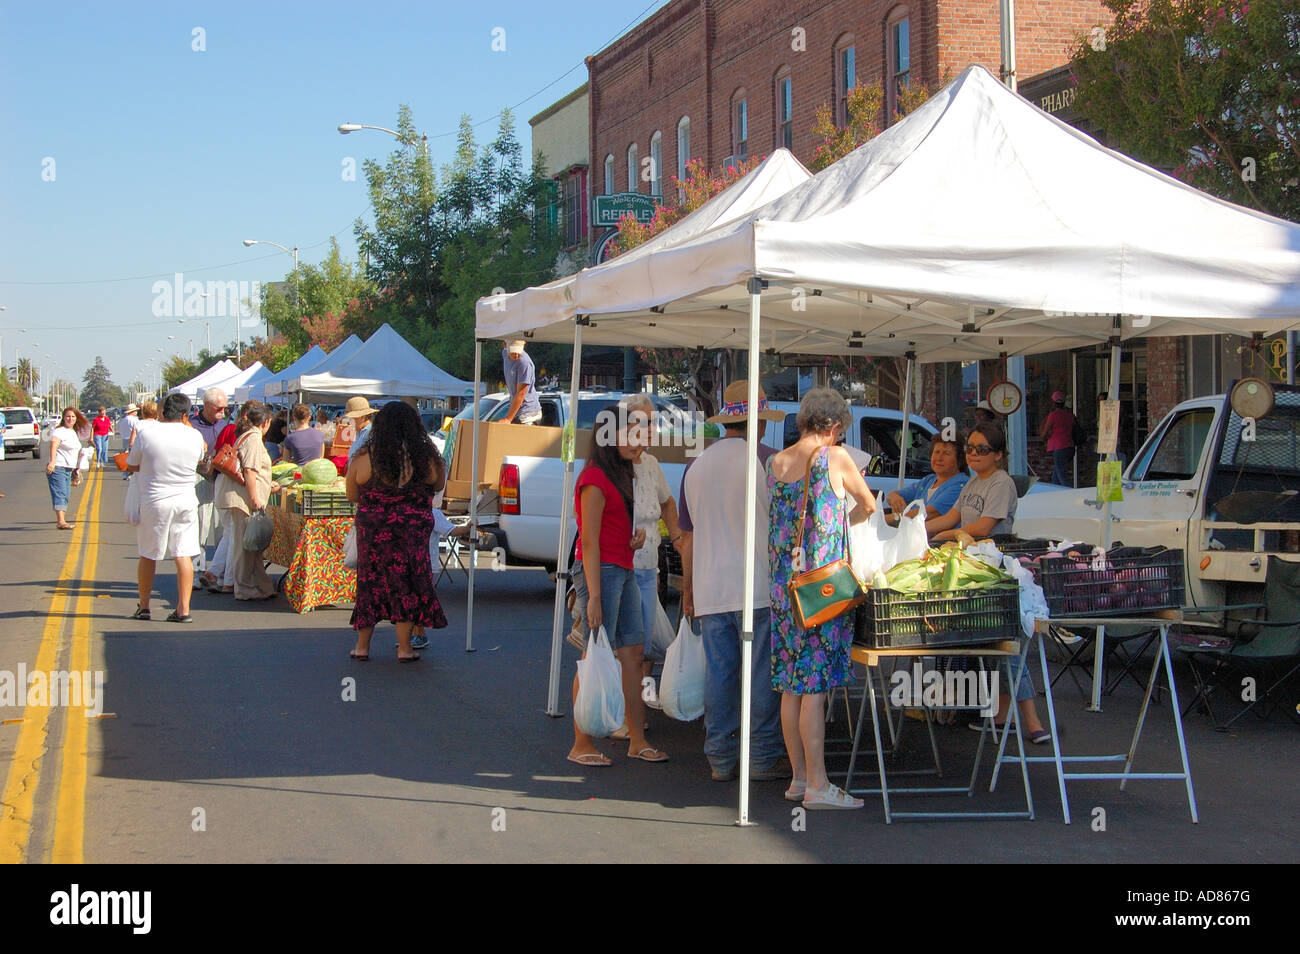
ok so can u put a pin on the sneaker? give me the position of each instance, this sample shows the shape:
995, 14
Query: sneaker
831, 797
780, 769
419, 642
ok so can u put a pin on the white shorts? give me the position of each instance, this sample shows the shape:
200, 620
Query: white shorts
168, 528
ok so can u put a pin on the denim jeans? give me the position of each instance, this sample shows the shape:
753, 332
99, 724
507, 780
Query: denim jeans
101, 448
1009, 667
647, 584
1062, 472
60, 486
722, 715
620, 604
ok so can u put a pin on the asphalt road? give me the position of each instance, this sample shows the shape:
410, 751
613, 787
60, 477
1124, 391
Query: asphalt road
230, 740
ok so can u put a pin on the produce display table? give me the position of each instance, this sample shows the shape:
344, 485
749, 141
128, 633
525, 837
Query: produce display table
1161, 622
873, 659
312, 549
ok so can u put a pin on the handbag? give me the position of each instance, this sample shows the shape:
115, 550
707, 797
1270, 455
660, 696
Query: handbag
120, 460
826, 592
350, 548
226, 462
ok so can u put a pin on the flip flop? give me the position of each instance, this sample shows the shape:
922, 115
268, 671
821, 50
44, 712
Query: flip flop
221, 590
67, 526
359, 657
655, 756
409, 659
590, 759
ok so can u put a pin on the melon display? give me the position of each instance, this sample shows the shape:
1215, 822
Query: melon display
319, 471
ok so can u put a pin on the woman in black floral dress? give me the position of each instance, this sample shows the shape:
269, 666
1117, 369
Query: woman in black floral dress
393, 480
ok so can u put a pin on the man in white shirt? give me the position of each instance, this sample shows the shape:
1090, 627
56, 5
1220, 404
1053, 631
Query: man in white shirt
127, 427
165, 457
712, 520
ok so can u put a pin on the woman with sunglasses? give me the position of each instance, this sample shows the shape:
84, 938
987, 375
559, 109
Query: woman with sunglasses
987, 505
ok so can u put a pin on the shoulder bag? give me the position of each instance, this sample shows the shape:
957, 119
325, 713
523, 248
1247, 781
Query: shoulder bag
226, 461
820, 595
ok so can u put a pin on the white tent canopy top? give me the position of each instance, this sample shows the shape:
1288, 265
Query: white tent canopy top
385, 366
221, 371
276, 385
345, 350
251, 390
231, 384
978, 225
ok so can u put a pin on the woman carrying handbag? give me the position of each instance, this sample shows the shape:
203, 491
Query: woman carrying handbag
244, 496
811, 482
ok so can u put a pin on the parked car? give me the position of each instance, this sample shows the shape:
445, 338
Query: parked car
22, 433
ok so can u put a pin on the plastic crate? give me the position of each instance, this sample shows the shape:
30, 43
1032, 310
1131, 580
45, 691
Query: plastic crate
320, 503
1013, 545
1152, 581
938, 618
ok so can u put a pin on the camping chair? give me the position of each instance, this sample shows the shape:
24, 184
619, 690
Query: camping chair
1266, 651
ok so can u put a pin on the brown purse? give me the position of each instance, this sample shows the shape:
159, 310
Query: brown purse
820, 595
226, 461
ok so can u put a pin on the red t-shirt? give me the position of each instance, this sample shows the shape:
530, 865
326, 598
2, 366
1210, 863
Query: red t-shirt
227, 436
615, 526
102, 425
1060, 433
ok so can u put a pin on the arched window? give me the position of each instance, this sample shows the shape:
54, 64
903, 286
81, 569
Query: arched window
631, 169
657, 163
609, 174
784, 111
846, 73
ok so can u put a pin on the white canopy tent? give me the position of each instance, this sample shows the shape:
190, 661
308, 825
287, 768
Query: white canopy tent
219, 372
977, 226
231, 384
276, 386
251, 390
345, 350
385, 366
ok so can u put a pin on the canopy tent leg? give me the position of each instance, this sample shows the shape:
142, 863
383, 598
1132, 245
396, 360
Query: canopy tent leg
1018, 423
568, 444
473, 499
907, 417
1098, 644
747, 590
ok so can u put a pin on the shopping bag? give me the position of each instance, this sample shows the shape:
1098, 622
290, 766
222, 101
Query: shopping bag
84, 457
908, 541
131, 506
598, 710
258, 531
681, 690
662, 637
866, 548
350, 548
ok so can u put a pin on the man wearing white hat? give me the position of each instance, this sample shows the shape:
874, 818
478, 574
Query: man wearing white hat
127, 428
360, 411
521, 385
712, 521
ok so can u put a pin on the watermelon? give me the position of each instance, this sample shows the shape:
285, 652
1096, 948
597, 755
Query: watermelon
319, 471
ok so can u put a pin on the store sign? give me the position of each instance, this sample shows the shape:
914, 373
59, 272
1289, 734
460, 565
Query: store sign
606, 210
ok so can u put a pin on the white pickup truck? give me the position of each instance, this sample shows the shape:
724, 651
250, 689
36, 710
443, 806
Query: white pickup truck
1224, 494
530, 488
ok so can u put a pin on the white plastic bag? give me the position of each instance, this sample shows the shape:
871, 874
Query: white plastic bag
681, 690
908, 541
84, 457
1033, 604
598, 710
866, 549
350, 548
662, 637
131, 506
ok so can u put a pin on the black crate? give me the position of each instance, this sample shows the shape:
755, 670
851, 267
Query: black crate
320, 503
1156, 579
1013, 545
939, 618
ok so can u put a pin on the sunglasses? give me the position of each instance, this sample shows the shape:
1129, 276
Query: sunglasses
979, 449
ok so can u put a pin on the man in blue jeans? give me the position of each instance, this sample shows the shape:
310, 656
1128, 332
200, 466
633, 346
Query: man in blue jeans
712, 520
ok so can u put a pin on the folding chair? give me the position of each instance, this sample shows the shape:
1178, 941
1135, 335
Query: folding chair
1266, 651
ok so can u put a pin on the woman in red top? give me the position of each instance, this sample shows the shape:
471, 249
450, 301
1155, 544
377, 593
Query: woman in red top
102, 427
603, 504
1058, 431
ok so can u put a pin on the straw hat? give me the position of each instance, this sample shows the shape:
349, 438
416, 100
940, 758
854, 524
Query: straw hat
515, 347
358, 407
131, 409
735, 405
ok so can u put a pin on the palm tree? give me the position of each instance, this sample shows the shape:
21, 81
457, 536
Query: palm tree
25, 374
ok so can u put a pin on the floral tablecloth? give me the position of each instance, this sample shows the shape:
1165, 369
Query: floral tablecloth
312, 549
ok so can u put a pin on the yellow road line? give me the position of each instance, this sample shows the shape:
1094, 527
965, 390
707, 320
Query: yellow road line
24, 771
70, 813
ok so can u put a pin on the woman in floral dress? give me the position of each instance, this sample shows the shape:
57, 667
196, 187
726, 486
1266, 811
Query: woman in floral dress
393, 480
808, 663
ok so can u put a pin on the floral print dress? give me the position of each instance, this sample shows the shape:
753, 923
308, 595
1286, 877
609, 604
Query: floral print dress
394, 569
806, 661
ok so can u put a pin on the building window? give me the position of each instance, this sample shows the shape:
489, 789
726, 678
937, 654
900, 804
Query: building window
683, 146
899, 44
846, 73
656, 163
785, 113
575, 207
740, 127
609, 174
631, 168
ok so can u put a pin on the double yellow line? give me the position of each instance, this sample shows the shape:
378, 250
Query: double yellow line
19, 798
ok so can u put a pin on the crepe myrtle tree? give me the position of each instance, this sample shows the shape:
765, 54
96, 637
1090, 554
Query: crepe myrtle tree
1206, 89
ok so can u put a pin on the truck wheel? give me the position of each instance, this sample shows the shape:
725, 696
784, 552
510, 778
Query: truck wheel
36, 452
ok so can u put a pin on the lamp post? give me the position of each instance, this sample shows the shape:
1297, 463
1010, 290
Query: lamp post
297, 304
191, 344
345, 128
239, 322
20, 331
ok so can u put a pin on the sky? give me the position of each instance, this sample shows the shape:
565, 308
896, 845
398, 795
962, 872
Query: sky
144, 140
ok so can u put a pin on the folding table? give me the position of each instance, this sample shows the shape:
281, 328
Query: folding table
1162, 622
872, 659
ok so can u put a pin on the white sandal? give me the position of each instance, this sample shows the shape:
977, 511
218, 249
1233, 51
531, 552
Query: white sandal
830, 797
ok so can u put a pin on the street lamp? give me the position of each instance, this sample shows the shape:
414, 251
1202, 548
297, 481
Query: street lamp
345, 128
249, 243
21, 331
191, 344
207, 328
239, 323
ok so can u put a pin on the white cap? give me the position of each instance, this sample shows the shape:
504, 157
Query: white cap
515, 347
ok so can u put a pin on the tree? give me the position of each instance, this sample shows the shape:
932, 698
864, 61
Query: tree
97, 387
276, 354
1205, 88
866, 108
11, 395
25, 376
325, 296
177, 371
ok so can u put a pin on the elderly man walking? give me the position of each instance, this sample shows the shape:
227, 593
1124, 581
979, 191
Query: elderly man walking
165, 456
712, 519
209, 420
